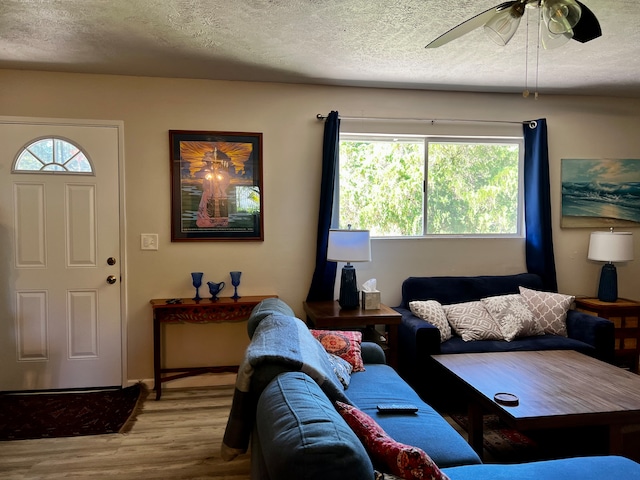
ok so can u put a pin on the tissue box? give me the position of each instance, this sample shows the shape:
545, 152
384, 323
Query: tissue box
371, 300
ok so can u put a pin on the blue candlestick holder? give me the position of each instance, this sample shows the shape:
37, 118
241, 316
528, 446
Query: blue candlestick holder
235, 281
196, 280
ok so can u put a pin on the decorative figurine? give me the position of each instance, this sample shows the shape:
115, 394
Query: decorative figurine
215, 289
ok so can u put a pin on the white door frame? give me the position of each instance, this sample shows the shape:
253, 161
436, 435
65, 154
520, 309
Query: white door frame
119, 125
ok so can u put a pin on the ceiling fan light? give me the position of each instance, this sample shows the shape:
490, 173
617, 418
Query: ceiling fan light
503, 25
550, 40
561, 16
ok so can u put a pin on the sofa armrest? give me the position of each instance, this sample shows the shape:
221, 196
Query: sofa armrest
372, 353
595, 331
417, 341
424, 335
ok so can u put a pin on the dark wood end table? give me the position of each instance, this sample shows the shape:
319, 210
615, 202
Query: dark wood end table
625, 315
328, 315
187, 310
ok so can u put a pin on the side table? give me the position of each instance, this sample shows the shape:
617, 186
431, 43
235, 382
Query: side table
328, 315
624, 314
187, 310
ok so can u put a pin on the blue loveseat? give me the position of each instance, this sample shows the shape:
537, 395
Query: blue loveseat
297, 433
419, 339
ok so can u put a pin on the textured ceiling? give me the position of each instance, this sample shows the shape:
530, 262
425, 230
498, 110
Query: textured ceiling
335, 42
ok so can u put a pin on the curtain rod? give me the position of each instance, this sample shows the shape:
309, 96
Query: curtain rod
531, 123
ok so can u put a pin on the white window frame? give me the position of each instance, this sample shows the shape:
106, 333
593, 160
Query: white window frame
485, 139
42, 171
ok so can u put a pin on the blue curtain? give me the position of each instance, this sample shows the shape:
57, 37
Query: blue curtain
324, 276
537, 204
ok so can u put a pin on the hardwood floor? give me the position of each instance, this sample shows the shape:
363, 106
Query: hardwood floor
177, 437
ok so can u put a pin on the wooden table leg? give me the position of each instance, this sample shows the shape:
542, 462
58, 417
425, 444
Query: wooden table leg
616, 437
157, 379
475, 428
393, 346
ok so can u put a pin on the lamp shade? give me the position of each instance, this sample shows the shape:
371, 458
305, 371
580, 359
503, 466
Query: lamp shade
561, 16
503, 25
551, 40
611, 246
349, 246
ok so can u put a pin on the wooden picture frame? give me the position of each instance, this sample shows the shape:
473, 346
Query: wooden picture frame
216, 186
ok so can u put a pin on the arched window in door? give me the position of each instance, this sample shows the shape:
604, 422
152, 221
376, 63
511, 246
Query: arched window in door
52, 155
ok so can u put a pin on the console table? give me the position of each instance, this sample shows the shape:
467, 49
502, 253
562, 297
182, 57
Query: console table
187, 310
625, 315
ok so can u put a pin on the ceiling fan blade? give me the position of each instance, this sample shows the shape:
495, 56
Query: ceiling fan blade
469, 25
588, 27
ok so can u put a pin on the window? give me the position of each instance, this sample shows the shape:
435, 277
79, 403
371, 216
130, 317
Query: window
410, 186
52, 155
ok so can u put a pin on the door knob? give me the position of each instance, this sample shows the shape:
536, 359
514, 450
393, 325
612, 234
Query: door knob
111, 279
111, 261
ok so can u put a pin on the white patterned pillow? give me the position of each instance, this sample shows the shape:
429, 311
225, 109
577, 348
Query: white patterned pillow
472, 321
549, 309
432, 312
513, 315
341, 368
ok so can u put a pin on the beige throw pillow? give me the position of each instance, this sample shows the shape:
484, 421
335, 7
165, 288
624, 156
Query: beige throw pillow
513, 315
432, 312
472, 321
549, 309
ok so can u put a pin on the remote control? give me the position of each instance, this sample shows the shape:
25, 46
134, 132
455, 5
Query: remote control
397, 408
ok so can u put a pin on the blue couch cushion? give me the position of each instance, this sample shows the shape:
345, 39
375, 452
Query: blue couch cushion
302, 435
448, 290
540, 342
425, 429
584, 468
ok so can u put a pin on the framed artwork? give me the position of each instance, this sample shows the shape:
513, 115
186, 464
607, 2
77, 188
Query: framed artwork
600, 192
216, 186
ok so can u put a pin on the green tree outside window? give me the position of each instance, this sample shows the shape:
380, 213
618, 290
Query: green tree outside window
471, 187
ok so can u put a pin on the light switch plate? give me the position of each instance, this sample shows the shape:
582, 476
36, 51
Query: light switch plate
148, 241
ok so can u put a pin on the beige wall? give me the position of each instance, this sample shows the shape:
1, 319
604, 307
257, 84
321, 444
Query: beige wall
579, 127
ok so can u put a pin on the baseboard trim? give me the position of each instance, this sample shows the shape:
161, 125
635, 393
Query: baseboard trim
207, 380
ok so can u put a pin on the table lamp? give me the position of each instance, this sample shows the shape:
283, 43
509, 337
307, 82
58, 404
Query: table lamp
349, 246
610, 247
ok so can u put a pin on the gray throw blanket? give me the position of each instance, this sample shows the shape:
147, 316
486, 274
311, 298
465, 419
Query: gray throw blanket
279, 344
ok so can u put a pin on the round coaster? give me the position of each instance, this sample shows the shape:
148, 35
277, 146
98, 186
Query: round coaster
507, 399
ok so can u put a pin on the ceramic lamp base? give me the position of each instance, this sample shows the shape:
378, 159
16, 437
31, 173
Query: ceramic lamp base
348, 288
608, 288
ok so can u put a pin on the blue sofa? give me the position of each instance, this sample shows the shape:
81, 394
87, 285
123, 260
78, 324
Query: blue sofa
418, 339
299, 435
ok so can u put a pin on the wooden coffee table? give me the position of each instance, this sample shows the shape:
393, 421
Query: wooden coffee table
555, 389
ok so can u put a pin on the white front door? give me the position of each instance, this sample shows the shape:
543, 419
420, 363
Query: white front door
60, 258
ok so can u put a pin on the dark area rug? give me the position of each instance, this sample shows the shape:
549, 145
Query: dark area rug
69, 414
506, 445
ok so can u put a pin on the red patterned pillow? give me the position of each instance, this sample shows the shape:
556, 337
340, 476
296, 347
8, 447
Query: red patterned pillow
402, 460
344, 344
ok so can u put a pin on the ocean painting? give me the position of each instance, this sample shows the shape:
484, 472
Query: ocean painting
600, 192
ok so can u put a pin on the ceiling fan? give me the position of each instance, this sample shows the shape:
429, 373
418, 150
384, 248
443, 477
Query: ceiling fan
561, 21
